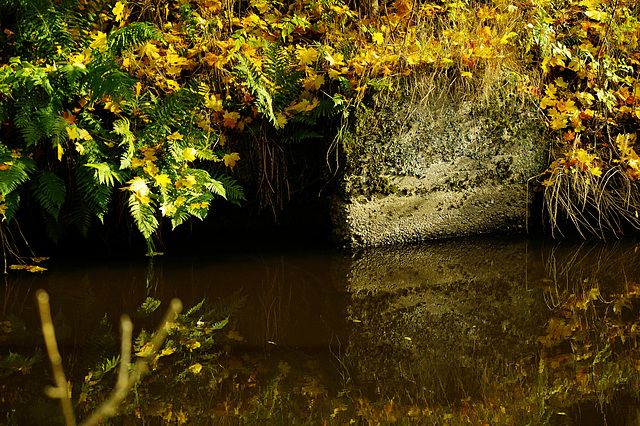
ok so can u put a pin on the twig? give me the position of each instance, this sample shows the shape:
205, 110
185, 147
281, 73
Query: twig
126, 380
61, 391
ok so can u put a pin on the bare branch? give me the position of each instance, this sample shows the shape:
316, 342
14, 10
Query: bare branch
126, 379
61, 390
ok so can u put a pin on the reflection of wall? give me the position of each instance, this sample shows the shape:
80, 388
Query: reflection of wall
442, 321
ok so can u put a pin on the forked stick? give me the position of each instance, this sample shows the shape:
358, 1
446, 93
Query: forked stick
126, 379
61, 390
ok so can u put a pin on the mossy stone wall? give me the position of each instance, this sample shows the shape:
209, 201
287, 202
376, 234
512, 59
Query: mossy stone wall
429, 166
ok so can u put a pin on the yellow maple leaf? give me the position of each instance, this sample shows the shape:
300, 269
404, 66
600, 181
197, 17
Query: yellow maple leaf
172, 85
230, 119
150, 51
162, 179
150, 168
596, 15
72, 132
313, 82
507, 37
167, 351
333, 73
189, 154
99, 41
558, 123
113, 107
214, 102
84, 135
175, 136
230, 159
79, 148
187, 182
180, 200
281, 121
307, 56
378, 38
118, 11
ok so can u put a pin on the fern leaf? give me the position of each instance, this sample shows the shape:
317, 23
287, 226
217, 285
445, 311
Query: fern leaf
148, 306
225, 307
55, 229
49, 191
12, 202
233, 191
220, 324
94, 196
193, 309
179, 217
143, 216
105, 173
133, 35
16, 173
257, 86
216, 187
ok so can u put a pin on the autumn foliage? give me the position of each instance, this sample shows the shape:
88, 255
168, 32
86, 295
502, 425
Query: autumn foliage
156, 100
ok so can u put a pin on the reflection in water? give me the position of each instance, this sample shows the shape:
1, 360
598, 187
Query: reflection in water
472, 331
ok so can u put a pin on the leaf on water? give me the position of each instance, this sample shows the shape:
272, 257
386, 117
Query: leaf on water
235, 335
196, 368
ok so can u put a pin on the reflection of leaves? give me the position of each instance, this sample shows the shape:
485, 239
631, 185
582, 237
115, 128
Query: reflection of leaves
314, 388
620, 303
15, 362
148, 306
557, 331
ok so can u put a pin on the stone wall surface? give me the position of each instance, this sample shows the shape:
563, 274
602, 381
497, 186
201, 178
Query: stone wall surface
425, 167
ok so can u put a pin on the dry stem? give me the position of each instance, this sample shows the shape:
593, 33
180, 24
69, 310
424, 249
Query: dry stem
126, 380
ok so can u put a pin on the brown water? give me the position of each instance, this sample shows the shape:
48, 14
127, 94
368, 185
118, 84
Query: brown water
493, 330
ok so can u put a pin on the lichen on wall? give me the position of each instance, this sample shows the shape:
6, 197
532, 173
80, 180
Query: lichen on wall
423, 164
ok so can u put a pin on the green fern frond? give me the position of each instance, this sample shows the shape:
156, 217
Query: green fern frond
107, 80
16, 174
258, 86
12, 202
121, 128
233, 191
49, 191
43, 29
328, 108
299, 133
175, 110
281, 69
179, 217
192, 310
219, 325
131, 36
143, 216
91, 199
216, 187
106, 173
55, 229
73, 73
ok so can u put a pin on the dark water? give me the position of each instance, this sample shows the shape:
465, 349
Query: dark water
493, 330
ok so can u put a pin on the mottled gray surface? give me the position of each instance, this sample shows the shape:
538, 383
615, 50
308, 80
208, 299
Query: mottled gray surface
424, 167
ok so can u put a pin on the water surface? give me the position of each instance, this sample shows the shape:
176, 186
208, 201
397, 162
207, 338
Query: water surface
491, 330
